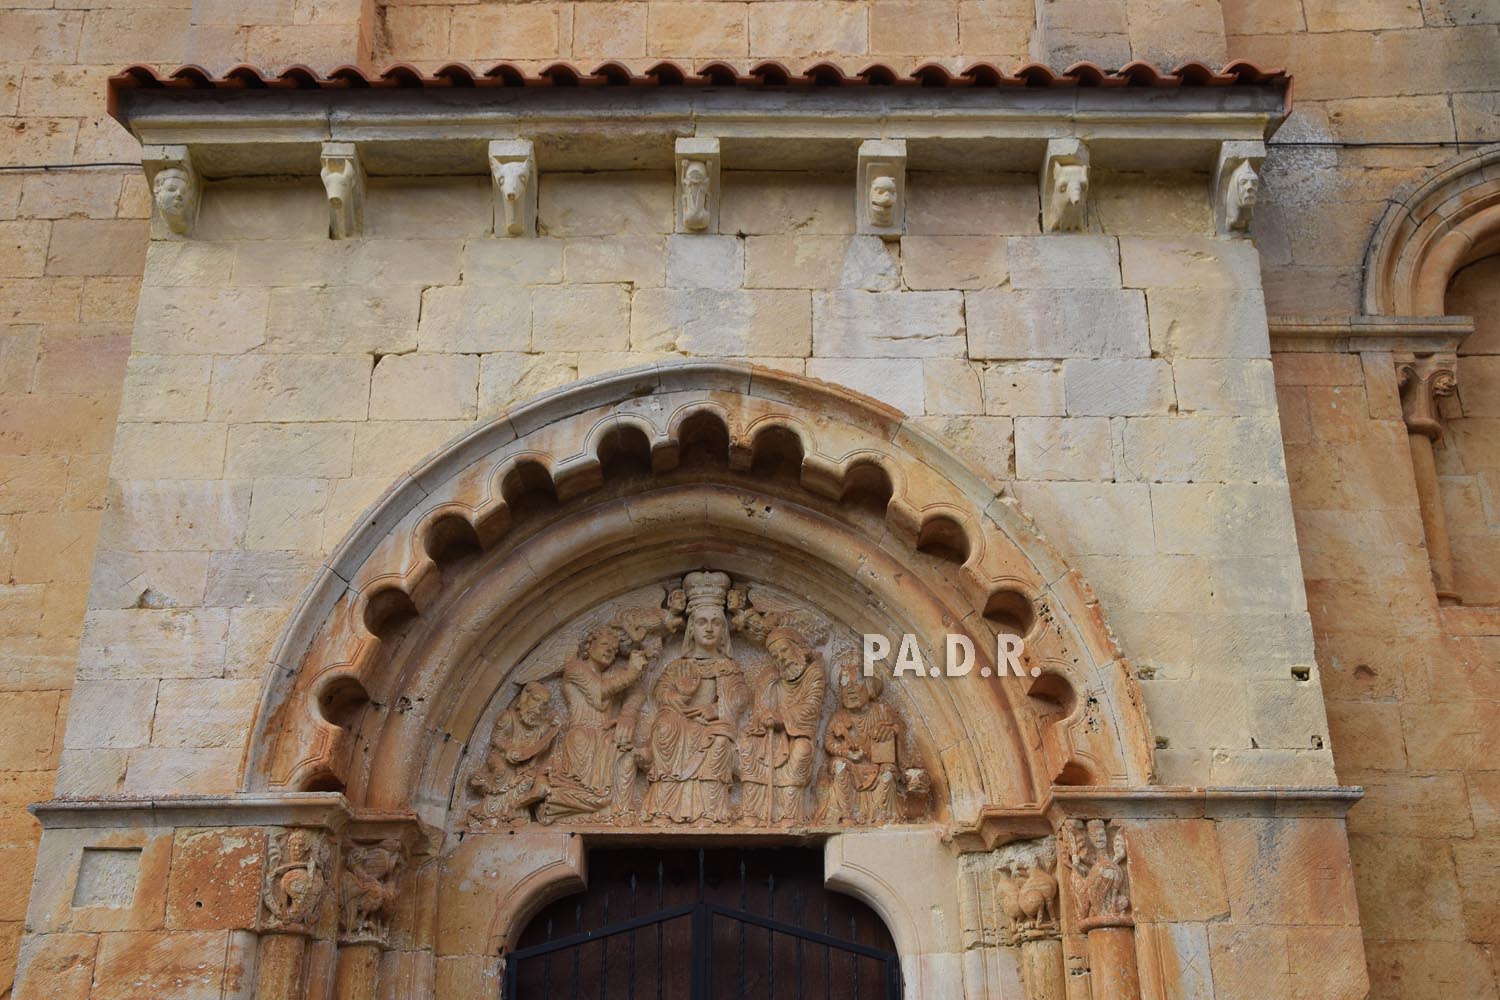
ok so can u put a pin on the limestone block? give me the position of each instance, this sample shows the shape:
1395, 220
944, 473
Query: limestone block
201, 320
892, 381
759, 203
56, 966
474, 319
1202, 712
962, 204
216, 878
383, 263
915, 28
480, 33
387, 448
254, 578
515, 262
1152, 203
97, 247
204, 712
514, 176
1064, 262
965, 262
23, 248
1175, 872
634, 260
693, 29
580, 318
1223, 519
1189, 262
952, 386
1158, 583
91, 772
1114, 387
182, 964
41, 536
770, 322
1088, 323
705, 261
289, 388
188, 262
609, 31
511, 378
871, 263
397, 207
1094, 518
1288, 871
1002, 28
168, 516
349, 500
616, 203
1413, 805
985, 442
298, 450
888, 324
170, 451
880, 188
285, 513
696, 166
29, 730
148, 579
253, 633
1073, 448
41, 300
182, 771
343, 319
137, 644
1202, 449
783, 28
1024, 389
1246, 387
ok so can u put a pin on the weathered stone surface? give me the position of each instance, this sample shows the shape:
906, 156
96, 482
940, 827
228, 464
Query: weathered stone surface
888, 324
759, 322
475, 319
1012, 325
1134, 387
1076, 448
1064, 262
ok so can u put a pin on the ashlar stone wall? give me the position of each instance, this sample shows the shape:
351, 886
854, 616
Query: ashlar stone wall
279, 381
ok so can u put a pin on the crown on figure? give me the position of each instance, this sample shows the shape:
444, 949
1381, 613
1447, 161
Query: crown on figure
705, 589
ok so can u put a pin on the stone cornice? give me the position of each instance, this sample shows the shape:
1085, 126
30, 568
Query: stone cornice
1358, 334
447, 130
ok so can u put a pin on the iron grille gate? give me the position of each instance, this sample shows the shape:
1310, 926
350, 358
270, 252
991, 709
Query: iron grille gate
712, 946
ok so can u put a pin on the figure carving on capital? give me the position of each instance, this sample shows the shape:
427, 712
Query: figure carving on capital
1028, 891
1096, 855
367, 891
297, 874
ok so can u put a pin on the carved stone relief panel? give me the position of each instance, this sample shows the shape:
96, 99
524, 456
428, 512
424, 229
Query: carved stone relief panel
697, 702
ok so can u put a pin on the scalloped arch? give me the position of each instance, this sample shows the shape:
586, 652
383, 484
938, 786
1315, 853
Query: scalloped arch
1431, 229
408, 696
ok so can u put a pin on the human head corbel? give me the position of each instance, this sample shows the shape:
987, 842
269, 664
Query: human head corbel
175, 190
1236, 185
1065, 186
513, 170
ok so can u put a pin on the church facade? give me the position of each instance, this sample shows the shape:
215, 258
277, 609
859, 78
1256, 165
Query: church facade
918, 499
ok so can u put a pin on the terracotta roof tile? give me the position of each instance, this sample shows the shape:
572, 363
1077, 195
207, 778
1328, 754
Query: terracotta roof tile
715, 74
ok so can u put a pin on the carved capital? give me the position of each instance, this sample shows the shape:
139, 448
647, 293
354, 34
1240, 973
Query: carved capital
1065, 186
513, 170
881, 177
1027, 890
369, 880
1096, 855
697, 163
1422, 379
343, 177
299, 869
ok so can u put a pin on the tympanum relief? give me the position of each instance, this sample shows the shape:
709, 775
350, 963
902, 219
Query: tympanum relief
703, 705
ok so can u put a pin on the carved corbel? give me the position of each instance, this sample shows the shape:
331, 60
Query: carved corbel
176, 191
1237, 185
513, 169
1065, 186
344, 182
1422, 379
881, 176
697, 167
